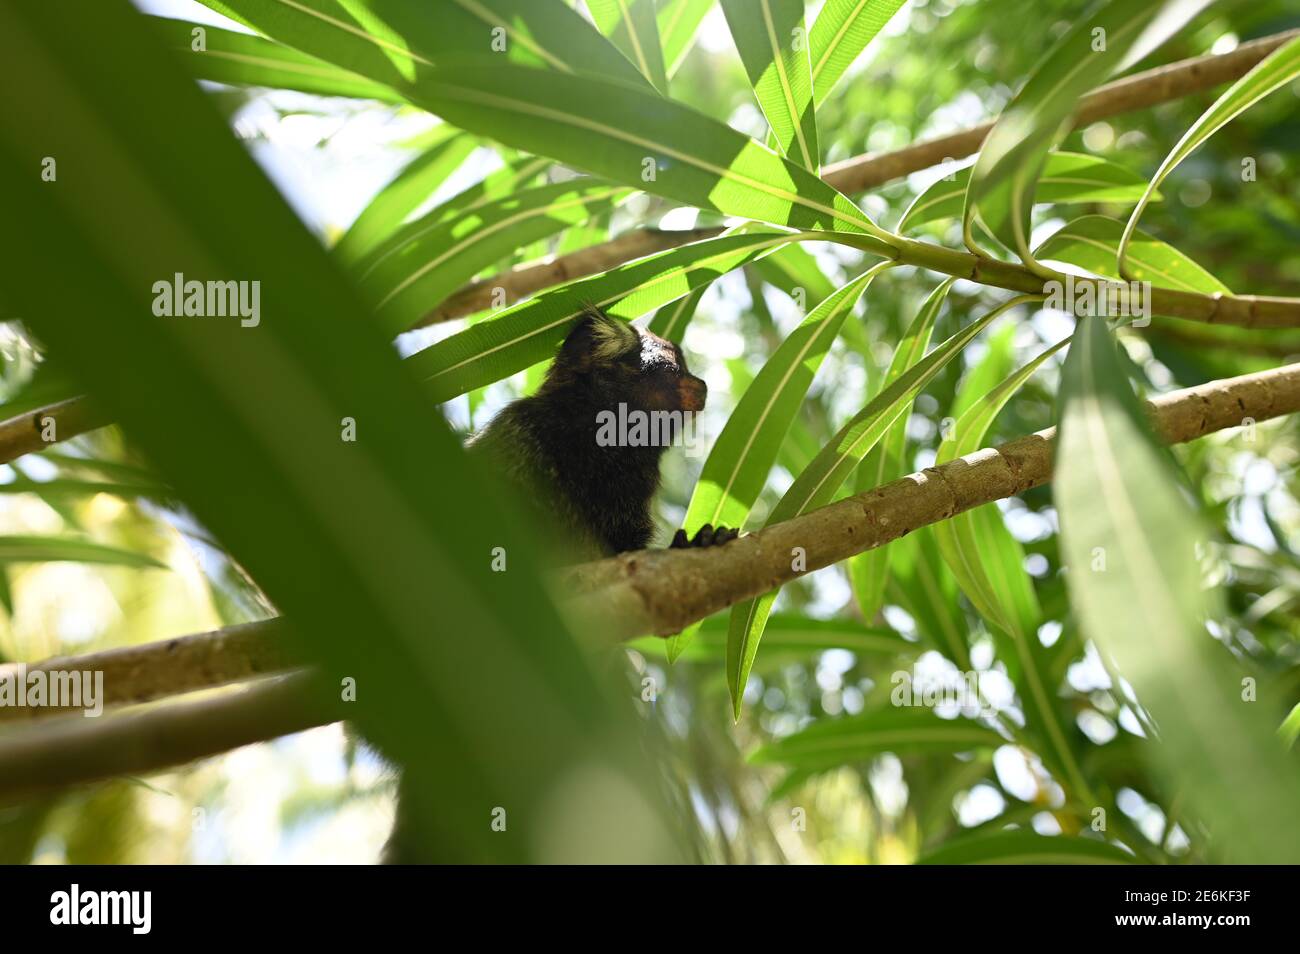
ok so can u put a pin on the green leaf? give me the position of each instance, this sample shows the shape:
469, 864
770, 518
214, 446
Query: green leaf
1288, 731
829, 743
34, 549
69, 487
671, 320
822, 478
1026, 848
789, 637
997, 363
794, 271
988, 563
1130, 540
1092, 242
501, 183
869, 571
641, 139
738, 465
989, 567
407, 192
531, 331
375, 571
773, 46
395, 43
240, 59
1272, 73
741, 458
1096, 47
413, 276
842, 31
631, 24
1067, 177
50, 383
678, 21
922, 584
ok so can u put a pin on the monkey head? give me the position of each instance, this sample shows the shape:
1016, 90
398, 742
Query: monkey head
616, 362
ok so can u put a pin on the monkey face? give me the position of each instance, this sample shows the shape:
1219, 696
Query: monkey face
622, 364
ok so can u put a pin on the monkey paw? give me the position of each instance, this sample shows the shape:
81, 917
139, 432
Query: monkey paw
706, 536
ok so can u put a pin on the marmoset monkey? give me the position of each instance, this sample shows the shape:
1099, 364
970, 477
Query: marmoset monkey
556, 444
586, 481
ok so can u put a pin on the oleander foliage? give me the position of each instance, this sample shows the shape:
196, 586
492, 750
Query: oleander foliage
1133, 625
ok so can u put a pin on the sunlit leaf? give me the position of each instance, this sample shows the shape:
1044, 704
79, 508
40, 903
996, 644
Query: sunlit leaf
408, 190
240, 59
1092, 242
678, 22
412, 276
1067, 177
631, 24
773, 45
1096, 47
531, 331
842, 30
742, 456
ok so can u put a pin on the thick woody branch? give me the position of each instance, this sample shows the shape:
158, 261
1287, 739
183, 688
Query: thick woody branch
1148, 88
71, 749
662, 591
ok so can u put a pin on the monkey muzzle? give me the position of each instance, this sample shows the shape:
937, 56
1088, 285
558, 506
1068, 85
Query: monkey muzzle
691, 393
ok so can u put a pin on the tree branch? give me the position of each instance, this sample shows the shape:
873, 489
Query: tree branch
1148, 88
71, 749
135, 674
25, 434
663, 591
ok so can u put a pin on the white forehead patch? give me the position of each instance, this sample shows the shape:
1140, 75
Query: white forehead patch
655, 350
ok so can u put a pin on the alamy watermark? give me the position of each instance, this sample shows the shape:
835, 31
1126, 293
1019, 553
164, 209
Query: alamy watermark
213, 299
960, 690
632, 427
53, 689
75, 906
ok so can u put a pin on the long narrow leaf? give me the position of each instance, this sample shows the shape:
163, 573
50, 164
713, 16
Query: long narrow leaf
1001, 192
391, 43
741, 458
1067, 177
1130, 540
842, 31
773, 46
410, 278
1092, 242
823, 477
631, 24
408, 190
1272, 73
240, 59
530, 331
869, 572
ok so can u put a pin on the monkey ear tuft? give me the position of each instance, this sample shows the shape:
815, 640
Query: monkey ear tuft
599, 338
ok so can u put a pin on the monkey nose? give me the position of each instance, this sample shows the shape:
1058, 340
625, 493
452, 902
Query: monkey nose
692, 393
